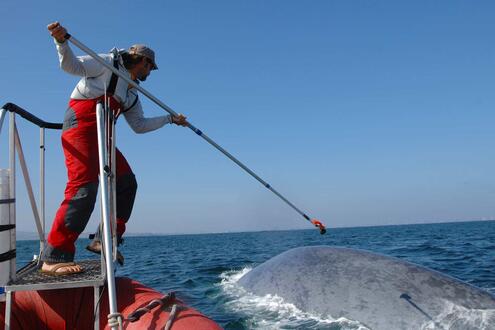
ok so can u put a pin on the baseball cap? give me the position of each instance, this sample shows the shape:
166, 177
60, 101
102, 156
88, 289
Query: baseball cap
143, 50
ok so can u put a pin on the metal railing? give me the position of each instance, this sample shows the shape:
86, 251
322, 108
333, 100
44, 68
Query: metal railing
106, 154
106, 143
15, 144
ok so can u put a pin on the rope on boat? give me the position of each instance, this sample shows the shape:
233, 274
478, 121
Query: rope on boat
115, 320
164, 301
171, 317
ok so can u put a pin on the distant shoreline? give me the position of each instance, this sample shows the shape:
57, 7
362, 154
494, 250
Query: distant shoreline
32, 236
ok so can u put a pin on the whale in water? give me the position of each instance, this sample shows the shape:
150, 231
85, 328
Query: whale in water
378, 291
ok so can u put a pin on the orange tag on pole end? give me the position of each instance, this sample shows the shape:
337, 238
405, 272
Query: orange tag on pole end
319, 225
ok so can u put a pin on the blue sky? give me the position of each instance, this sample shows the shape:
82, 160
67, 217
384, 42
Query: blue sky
359, 112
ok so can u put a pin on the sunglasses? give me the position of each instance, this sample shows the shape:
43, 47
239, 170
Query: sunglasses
149, 62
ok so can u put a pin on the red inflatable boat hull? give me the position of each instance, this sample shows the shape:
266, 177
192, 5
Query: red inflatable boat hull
73, 309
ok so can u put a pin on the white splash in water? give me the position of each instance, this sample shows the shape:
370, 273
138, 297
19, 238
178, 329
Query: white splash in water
271, 312
455, 317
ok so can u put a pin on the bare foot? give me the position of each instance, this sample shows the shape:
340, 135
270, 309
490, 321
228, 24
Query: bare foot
61, 268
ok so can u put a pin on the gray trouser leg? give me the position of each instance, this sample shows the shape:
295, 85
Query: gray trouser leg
126, 187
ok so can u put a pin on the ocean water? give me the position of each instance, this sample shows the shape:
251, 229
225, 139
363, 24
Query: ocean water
203, 269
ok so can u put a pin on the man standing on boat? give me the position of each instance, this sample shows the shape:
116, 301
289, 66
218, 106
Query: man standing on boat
79, 142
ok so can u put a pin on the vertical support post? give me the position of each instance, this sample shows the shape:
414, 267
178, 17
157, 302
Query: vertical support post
2, 116
8, 310
105, 171
12, 146
6, 227
97, 307
42, 187
112, 182
27, 181
8, 302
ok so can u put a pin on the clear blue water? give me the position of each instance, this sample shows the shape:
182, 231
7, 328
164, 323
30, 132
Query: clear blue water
202, 269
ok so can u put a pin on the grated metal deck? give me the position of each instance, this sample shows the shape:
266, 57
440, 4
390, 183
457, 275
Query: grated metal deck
30, 278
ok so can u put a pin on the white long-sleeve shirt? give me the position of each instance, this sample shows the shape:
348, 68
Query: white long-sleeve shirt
94, 82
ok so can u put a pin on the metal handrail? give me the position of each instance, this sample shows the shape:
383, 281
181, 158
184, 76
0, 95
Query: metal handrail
105, 127
39, 214
30, 117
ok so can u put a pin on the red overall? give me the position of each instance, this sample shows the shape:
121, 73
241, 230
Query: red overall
80, 145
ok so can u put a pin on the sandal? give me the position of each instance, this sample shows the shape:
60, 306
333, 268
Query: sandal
95, 247
55, 267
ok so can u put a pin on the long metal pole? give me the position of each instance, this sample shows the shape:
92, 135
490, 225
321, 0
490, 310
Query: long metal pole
27, 181
42, 186
96, 304
113, 182
194, 129
104, 172
8, 310
2, 116
12, 275
12, 192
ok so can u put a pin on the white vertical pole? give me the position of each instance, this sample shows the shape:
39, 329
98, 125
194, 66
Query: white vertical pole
2, 116
12, 191
27, 181
96, 308
42, 187
8, 310
5, 204
113, 186
104, 172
